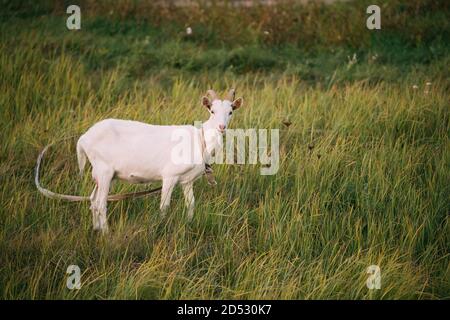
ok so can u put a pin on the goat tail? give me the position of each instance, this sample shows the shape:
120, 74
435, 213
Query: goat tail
81, 162
46, 192
81, 156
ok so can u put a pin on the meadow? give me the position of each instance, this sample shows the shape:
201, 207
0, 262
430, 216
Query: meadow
364, 174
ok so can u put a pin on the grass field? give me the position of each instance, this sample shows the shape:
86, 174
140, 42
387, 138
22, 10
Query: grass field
364, 176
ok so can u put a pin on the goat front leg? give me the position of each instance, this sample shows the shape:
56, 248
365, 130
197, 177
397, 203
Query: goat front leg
166, 193
188, 191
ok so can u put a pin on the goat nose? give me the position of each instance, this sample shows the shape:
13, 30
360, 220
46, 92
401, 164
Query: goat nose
221, 127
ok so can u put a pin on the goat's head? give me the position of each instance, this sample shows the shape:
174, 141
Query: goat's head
221, 111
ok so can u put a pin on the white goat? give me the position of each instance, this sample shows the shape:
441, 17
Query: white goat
141, 153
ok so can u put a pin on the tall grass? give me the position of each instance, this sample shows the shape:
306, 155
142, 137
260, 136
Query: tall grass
363, 180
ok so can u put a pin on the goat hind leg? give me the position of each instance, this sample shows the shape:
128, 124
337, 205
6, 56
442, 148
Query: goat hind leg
95, 213
101, 199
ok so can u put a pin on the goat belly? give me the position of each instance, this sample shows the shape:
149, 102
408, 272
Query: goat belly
133, 178
137, 177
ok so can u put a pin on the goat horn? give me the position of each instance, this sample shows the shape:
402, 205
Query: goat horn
212, 93
231, 94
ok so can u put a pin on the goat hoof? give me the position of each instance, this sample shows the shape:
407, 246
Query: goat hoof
102, 231
162, 214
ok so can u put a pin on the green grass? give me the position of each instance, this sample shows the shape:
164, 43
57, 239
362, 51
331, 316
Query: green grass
364, 173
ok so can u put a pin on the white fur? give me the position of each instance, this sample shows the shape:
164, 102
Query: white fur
141, 153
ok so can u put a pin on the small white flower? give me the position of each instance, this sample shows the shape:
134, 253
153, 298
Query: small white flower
266, 32
415, 87
428, 84
188, 30
352, 61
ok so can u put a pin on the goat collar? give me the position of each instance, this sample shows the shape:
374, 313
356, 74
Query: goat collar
203, 142
208, 169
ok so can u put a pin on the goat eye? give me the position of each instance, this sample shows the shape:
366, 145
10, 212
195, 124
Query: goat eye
230, 113
212, 112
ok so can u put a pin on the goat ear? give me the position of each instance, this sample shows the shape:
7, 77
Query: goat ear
206, 102
237, 103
